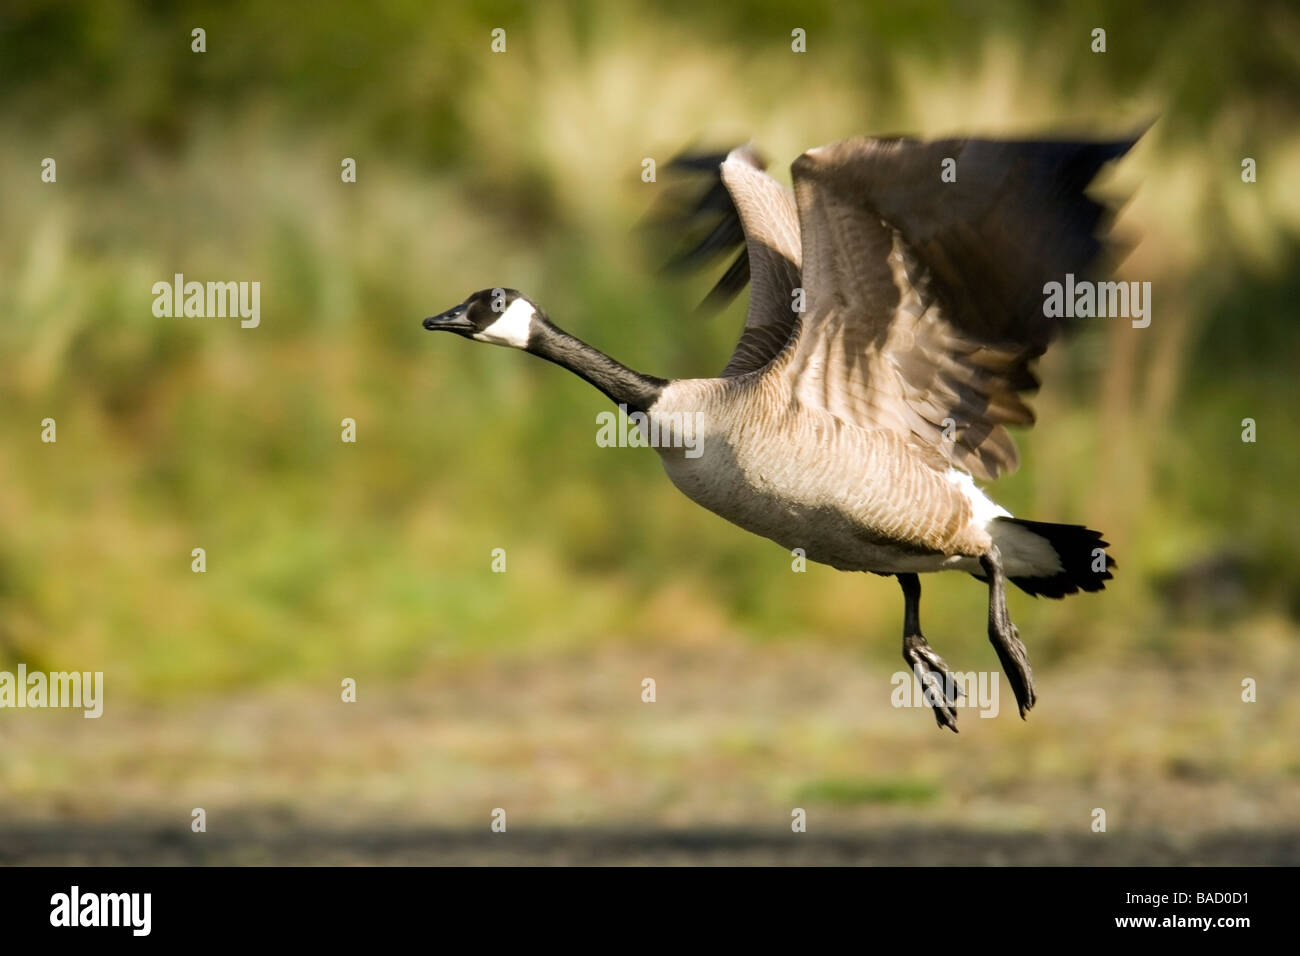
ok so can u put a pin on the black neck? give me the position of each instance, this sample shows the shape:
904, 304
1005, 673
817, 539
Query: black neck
624, 386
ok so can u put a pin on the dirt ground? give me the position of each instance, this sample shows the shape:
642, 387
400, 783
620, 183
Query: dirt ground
265, 843
738, 741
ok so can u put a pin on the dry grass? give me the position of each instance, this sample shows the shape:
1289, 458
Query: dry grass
738, 735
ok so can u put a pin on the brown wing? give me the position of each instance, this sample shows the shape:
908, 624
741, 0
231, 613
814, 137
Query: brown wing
745, 205
925, 298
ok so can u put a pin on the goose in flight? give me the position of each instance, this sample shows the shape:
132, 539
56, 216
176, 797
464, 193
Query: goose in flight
893, 324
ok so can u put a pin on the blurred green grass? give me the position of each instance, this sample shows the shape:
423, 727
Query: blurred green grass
850, 791
521, 170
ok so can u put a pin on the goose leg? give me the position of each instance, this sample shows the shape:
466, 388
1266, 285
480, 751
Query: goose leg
937, 683
1004, 636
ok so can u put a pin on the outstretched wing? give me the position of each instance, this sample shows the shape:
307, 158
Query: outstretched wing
743, 205
926, 297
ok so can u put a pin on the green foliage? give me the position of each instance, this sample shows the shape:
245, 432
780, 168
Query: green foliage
477, 170
872, 790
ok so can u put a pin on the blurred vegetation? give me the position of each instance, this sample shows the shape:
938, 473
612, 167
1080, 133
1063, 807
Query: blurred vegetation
522, 169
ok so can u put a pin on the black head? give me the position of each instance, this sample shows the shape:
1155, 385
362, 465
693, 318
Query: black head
498, 316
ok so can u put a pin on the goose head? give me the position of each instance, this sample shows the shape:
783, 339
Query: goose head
506, 317
498, 316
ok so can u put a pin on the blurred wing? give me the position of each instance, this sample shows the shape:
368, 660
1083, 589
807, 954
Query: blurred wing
926, 297
744, 205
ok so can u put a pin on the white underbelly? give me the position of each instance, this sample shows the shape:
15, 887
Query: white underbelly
827, 532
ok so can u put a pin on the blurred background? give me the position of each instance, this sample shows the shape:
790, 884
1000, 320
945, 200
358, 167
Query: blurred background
373, 561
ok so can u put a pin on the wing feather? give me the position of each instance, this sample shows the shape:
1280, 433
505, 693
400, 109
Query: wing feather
926, 297
743, 205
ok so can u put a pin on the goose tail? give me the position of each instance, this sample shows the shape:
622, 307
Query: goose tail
1052, 560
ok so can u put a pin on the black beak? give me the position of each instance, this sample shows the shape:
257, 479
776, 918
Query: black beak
453, 320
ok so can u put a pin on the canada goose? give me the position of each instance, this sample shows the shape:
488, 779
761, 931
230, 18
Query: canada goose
893, 321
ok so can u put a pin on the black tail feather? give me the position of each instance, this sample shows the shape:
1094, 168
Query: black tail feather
1086, 565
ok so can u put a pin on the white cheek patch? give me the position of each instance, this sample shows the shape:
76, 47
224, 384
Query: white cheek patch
512, 328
